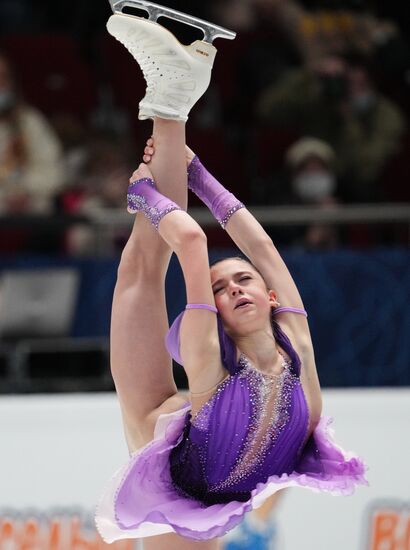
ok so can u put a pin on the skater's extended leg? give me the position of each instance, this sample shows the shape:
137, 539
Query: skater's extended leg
140, 364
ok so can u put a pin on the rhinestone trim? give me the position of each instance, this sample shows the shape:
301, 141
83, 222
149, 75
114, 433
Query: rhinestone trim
136, 202
230, 213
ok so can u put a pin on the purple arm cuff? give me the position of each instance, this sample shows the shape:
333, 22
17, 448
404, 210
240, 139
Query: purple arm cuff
144, 197
219, 200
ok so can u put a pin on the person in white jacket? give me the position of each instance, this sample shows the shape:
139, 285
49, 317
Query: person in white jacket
31, 171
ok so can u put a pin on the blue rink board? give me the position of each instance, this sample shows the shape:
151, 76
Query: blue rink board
358, 305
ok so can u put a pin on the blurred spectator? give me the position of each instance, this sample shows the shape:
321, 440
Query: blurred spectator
103, 184
107, 171
313, 181
235, 14
311, 163
30, 153
73, 135
268, 31
245, 15
341, 31
306, 177
320, 30
337, 101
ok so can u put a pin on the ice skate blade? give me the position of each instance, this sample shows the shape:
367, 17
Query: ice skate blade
155, 11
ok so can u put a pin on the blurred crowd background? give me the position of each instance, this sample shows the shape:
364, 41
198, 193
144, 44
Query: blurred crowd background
308, 108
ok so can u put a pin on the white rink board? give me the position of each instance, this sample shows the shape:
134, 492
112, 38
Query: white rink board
58, 451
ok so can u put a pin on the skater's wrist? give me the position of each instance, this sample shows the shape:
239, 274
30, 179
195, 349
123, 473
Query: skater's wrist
213, 194
143, 196
225, 207
134, 185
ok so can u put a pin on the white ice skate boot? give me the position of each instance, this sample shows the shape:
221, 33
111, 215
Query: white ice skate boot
176, 75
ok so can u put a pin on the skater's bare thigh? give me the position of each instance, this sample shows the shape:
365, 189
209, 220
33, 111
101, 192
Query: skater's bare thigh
140, 364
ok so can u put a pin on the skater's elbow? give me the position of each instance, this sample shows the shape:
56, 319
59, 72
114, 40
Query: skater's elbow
191, 238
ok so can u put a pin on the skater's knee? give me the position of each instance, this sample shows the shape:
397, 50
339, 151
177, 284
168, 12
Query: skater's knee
136, 265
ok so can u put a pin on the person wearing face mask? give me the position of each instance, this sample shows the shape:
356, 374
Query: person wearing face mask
311, 164
30, 153
371, 133
336, 100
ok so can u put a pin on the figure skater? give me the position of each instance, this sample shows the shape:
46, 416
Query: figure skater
252, 424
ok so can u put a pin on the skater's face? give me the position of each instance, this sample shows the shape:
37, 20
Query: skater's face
241, 297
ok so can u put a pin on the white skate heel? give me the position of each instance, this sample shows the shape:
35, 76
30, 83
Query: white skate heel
176, 75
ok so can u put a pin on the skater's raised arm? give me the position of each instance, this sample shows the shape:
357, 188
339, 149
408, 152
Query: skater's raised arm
199, 343
255, 243
243, 228
246, 232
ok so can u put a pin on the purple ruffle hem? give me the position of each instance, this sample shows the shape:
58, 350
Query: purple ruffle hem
141, 500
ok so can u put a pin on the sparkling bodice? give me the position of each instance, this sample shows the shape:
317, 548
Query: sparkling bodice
254, 426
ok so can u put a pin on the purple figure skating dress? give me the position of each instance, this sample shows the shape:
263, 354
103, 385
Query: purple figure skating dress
201, 474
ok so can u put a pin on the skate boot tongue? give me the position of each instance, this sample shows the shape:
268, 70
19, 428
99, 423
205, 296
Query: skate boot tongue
176, 75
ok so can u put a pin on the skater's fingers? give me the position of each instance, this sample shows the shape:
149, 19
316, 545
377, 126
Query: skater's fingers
150, 142
146, 158
149, 150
